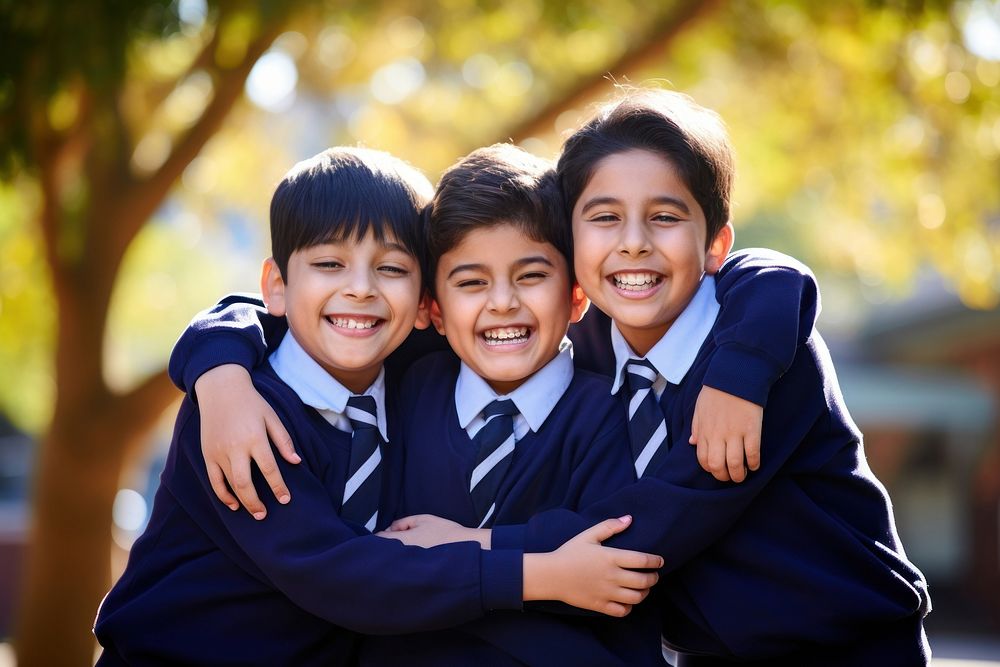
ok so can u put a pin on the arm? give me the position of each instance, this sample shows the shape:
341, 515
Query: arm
769, 304
327, 566
678, 510
211, 361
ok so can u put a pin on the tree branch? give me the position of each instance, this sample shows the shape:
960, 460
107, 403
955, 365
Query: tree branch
652, 47
147, 194
136, 410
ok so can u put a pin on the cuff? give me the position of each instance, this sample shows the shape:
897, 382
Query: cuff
502, 579
742, 372
508, 537
217, 351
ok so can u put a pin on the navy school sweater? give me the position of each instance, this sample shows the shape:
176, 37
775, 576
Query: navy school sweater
205, 585
579, 455
802, 559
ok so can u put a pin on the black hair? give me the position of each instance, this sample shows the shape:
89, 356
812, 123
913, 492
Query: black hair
498, 185
690, 137
343, 193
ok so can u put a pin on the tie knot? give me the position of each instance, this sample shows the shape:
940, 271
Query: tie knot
361, 411
503, 406
640, 374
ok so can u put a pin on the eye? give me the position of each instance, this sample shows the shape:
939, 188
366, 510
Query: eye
471, 283
665, 218
327, 264
394, 270
532, 277
606, 218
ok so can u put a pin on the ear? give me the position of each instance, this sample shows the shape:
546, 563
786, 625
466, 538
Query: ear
423, 311
719, 249
272, 286
580, 304
436, 318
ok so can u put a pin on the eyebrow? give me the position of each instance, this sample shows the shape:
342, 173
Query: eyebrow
524, 261
662, 199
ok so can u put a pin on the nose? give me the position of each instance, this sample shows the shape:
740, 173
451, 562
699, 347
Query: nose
360, 285
503, 297
634, 240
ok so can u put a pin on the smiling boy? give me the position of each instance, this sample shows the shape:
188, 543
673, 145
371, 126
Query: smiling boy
509, 428
800, 564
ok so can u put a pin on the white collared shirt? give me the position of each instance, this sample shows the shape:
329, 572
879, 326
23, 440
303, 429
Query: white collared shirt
675, 352
318, 389
534, 399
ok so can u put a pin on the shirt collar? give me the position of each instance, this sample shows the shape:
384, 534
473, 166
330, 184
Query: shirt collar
675, 352
316, 387
534, 399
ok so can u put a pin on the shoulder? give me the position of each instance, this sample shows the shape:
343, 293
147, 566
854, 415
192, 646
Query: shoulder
762, 258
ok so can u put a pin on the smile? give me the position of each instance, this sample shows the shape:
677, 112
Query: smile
506, 335
353, 322
636, 281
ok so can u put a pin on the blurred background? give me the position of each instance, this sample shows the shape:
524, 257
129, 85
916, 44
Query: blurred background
140, 142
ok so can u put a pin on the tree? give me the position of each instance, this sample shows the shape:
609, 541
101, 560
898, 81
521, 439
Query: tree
68, 127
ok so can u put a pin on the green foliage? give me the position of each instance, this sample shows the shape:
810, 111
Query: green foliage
867, 133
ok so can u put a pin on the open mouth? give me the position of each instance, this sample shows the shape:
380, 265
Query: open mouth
362, 323
506, 336
639, 281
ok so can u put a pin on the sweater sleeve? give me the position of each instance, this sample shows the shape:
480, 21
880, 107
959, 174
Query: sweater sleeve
236, 330
679, 509
769, 305
336, 570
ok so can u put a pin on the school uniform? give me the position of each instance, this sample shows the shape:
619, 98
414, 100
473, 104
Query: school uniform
570, 450
800, 563
206, 585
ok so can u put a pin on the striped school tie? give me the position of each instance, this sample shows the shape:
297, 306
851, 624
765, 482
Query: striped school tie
495, 448
647, 428
364, 474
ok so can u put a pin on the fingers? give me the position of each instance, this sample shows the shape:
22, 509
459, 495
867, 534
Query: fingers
269, 469
616, 609
606, 529
240, 480
637, 580
752, 444
279, 436
734, 459
218, 481
716, 458
636, 560
406, 523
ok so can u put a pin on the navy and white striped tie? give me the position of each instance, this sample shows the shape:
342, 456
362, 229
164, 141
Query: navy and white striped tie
364, 473
646, 426
495, 449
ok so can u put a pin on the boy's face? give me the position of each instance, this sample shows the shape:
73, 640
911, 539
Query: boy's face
349, 304
639, 243
504, 302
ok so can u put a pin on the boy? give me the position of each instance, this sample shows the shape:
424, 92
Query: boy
346, 274
800, 564
509, 429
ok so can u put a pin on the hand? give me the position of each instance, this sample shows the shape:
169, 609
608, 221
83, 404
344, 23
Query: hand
235, 423
587, 575
427, 530
726, 430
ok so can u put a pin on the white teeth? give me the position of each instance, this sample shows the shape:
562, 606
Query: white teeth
351, 323
636, 281
505, 335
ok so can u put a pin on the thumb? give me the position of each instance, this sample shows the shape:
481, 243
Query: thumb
606, 529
